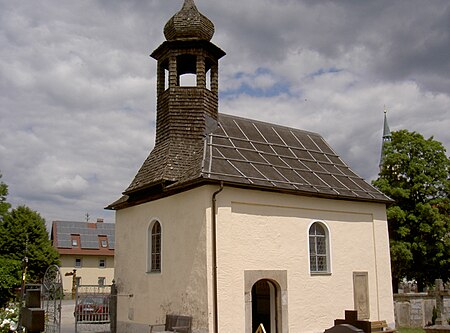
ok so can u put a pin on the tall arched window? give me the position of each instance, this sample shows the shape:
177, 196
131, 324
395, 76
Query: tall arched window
154, 247
318, 249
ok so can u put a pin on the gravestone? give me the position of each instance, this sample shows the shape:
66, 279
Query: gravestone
439, 301
344, 328
351, 318
361, 294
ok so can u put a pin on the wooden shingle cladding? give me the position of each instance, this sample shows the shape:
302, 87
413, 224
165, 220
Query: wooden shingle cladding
252, 154
89, 238
189, 23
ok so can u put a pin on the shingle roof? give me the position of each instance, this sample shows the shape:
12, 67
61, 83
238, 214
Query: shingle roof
245, 152
89, 234
189, 23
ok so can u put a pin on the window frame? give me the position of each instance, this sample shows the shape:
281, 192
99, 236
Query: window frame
80, 261
103, 242
100, 260
75, 240
101, 281
154, 247
327, 255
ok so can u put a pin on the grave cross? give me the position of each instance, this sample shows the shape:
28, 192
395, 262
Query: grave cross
351, 318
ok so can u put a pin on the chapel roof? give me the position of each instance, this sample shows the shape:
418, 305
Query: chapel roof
197, 145
254, 154
272, 156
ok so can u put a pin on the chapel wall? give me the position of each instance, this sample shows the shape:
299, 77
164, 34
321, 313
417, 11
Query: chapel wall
269, 232
181, 287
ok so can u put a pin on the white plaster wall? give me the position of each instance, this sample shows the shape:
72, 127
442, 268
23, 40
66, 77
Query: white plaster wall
256, 231
267, 231
89, 271
181, 287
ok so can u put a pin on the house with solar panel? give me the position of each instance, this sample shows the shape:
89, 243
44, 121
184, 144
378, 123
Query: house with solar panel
238, 223
86, 249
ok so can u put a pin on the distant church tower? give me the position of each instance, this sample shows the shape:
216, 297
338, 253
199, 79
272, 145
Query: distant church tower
387, 137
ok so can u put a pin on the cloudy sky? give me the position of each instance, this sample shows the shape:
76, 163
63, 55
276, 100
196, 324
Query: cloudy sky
77, 85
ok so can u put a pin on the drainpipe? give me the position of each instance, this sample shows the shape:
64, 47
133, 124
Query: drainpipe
214, 255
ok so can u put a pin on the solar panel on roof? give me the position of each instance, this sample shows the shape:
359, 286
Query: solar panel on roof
250, 152
271, 136
283, 151
88, 235
89, 241
64, 243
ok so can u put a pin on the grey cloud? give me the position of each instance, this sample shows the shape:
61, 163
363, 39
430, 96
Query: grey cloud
406, 39
77, 85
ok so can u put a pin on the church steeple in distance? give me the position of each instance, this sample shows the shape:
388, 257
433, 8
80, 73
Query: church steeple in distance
387, 137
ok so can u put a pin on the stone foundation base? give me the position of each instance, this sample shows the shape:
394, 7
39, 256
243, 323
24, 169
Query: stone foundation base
437, 329
132, 327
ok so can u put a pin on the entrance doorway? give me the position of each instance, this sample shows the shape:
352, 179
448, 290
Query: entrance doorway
265, 306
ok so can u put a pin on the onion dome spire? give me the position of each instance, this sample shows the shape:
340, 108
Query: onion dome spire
189, 24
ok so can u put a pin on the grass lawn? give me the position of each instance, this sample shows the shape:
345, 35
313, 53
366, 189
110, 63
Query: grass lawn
410, 330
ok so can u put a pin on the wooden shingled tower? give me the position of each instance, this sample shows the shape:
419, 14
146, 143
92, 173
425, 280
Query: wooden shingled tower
184, 110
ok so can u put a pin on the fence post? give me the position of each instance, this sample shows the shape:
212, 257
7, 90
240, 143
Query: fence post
113, 307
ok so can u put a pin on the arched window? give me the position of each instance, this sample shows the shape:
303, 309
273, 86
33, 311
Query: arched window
154, 247
318, 249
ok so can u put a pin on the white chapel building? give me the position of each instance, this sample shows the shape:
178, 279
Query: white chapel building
236, 222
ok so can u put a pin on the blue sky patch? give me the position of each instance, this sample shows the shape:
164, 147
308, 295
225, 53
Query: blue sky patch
280, 85
323, 71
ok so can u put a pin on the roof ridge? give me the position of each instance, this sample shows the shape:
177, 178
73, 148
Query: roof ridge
268, 124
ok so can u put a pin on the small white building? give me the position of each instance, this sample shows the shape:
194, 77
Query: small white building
237, 222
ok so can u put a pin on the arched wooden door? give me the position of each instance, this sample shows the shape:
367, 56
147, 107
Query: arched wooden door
264, 306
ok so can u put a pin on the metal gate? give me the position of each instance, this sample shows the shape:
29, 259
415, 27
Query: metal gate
52, 294
92, 308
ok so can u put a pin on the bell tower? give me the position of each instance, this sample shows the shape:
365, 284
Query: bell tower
187, 100
187, 78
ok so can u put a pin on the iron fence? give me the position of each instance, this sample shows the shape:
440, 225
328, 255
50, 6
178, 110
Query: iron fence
94, 308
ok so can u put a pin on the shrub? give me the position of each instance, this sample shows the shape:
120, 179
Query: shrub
9, 318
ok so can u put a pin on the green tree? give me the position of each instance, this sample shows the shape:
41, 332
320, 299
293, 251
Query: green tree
23, 233
4, 206
10, 278
416, 175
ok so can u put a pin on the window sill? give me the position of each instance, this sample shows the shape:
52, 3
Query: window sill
320, 273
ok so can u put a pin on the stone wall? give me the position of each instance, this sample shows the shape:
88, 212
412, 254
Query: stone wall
416, 309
